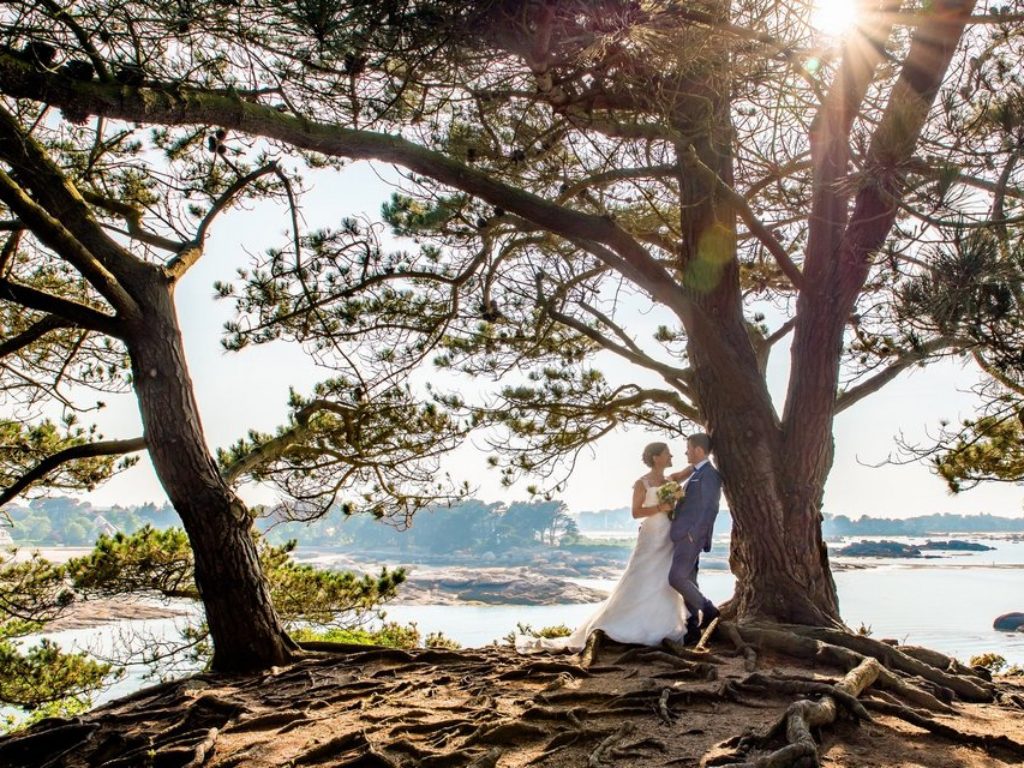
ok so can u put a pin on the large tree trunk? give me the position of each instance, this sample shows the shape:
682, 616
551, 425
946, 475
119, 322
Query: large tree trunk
247, 634
778, 557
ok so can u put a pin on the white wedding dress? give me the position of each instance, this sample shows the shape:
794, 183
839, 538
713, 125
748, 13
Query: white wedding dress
643, 608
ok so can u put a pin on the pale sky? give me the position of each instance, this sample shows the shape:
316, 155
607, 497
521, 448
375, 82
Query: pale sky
239, 391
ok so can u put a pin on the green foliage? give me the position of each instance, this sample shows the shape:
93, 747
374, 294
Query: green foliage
343, 428
470, 525
996, 664
389, 635
987, 448
23, 445
556, 630
161, 562
64, 521
148, 560
975, 292
40, 677
993, 662
440, 640
44, 674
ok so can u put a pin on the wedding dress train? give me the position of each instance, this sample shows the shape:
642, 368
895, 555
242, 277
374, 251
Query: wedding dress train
642, 608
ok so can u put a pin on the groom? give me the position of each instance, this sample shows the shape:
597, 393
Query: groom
691, 532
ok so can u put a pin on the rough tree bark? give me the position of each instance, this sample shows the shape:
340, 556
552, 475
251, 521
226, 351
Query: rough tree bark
247, 634
245, 627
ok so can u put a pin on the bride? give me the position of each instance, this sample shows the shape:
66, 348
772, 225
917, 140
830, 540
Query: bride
643, 608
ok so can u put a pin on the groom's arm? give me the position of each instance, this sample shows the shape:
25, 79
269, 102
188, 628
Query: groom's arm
712, 496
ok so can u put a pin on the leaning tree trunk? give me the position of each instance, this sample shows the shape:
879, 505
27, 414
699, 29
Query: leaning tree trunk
245, 628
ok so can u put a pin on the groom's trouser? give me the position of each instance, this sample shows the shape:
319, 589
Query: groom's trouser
683, 577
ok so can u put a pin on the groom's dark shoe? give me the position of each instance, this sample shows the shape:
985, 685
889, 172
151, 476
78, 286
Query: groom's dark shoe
708, 614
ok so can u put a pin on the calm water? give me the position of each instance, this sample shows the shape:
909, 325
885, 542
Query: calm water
947, 604
950, 610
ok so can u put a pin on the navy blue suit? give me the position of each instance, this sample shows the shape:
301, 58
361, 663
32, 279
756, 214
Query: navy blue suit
691, 532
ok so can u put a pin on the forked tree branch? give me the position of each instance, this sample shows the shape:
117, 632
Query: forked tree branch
279, 445
87, 451
133, 218
996, 374
61, 219
673, 376
56, 236
189, 253
754, 224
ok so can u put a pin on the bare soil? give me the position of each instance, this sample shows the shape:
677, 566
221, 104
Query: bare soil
623, 706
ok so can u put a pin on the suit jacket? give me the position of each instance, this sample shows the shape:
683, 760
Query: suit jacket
695, 513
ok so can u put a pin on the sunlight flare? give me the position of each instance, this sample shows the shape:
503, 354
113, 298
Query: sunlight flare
835, 18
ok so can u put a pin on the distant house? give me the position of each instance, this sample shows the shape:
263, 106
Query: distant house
104, 526
5, 538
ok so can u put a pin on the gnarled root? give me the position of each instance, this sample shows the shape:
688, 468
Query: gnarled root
803, 715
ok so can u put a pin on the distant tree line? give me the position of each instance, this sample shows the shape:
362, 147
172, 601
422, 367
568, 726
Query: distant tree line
472, 525
841, 525
469, 526
64, 521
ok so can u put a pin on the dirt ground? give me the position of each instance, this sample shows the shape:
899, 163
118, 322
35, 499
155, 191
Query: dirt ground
491, 708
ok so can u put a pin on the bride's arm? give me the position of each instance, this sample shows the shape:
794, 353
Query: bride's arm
681, 474
639, 510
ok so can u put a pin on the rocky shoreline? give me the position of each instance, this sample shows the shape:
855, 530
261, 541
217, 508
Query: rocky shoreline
85, 614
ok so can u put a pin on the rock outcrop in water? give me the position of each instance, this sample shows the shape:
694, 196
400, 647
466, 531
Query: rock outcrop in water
887, 548
1009, 622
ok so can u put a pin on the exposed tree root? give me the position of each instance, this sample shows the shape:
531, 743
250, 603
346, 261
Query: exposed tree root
796, 724
695, 670
992, 744
605, 752
808, 649
742, 647
203, 749
592, 648
467, 709
967, 688
701, 656
705, 638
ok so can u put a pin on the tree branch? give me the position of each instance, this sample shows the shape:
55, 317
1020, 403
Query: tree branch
187, 106
863, 51
71, 311
32, 333
53, 233
674, 376
754, 224
61, 217
190, 253
931, 51
87, 451
615, 175
996, 374
133, 218
883, 377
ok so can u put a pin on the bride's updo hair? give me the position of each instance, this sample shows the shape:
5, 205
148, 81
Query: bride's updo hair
652, 450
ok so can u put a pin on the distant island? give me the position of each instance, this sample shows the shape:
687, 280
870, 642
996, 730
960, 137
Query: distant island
489, 529
885, 548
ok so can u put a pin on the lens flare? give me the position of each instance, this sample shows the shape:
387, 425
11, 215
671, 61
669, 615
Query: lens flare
834, 17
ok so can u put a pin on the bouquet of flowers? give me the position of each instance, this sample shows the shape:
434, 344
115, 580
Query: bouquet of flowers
670, 493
